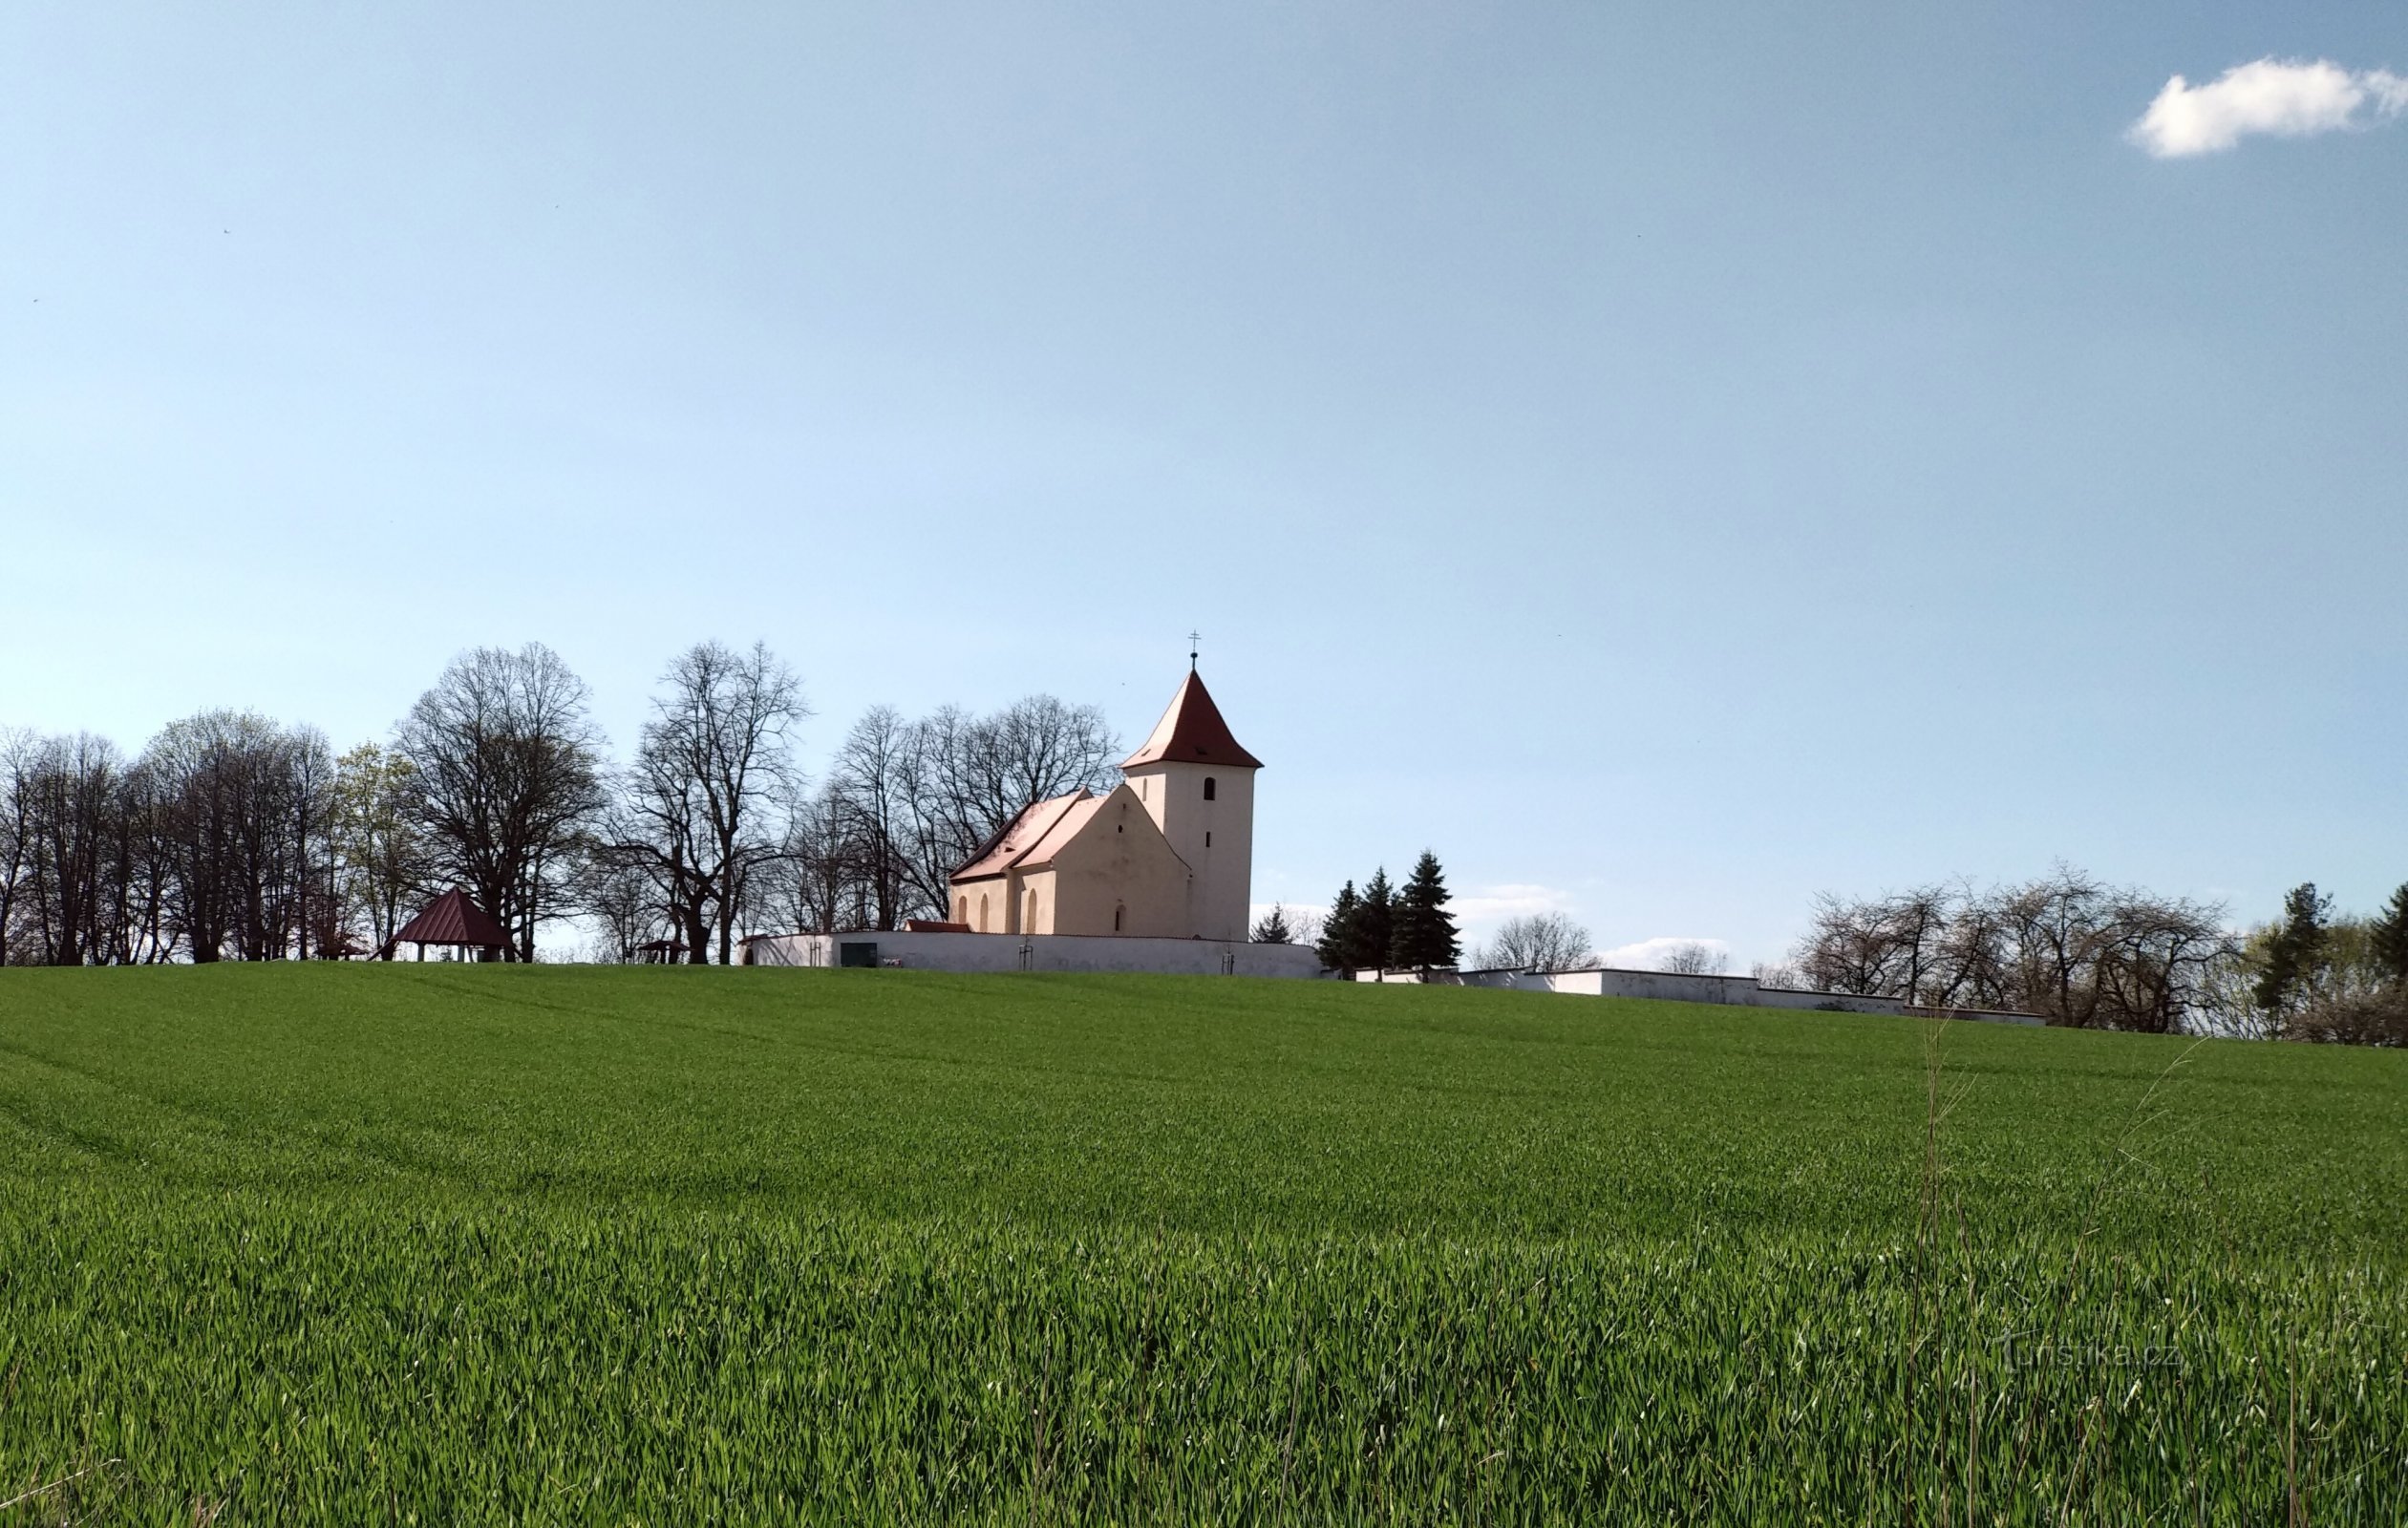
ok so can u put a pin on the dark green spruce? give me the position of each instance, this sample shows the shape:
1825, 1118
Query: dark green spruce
1375, 925
1336, 945
2387, 938
1423, 931
2296, 953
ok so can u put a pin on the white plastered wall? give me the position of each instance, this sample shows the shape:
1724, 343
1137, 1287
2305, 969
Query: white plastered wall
1215, 837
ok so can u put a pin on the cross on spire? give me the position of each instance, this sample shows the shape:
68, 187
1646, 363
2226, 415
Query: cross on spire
1194, 642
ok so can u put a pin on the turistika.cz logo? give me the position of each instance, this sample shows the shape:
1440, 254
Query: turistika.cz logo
2024, 1351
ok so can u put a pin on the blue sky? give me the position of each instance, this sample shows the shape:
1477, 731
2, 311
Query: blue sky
1670, 460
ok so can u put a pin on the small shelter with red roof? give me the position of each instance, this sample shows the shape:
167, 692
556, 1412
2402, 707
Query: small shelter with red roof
454, 920
1169, 851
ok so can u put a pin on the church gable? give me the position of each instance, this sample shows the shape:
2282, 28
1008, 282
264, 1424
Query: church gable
1104, 830
1114, 873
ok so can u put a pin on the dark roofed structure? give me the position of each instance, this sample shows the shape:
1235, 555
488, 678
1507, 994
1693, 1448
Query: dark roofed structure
452, 919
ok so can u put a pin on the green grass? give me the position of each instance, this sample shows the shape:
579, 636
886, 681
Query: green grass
445, 1243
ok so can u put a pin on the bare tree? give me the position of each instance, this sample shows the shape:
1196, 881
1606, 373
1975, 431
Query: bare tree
2151, 958
2051, 927
712, 783
821, 889
949, 823
380, 855
1694, 959
2379, 1017
67, 797
619, 892
504, 782
135, 928
1538, 942
1039, 747
310, 780
867, 819
2225, 1004
1777, 977
18, 751
1891, 944
967, 777
238, 808
196, 771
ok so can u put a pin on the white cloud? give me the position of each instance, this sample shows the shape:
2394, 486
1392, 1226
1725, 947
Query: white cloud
1651, 954
2270, 95
1493, 905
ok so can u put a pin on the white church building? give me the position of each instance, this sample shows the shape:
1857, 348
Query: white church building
1154, 875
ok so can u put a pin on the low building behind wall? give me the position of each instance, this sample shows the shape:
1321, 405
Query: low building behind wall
1673, 986
1033, 952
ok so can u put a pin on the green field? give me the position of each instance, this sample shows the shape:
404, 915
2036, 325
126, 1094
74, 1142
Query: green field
443, 1243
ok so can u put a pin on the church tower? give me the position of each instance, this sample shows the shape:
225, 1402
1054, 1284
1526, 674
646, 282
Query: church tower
1198, 785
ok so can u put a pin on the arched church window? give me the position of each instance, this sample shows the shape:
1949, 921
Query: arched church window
1207, 787
982, 912
961, 909
1028, 922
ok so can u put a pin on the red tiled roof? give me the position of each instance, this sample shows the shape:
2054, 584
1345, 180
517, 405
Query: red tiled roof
1018, 836
1192, 732
1066, 827
452, 919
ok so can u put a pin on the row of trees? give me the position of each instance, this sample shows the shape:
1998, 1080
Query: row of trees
1391, 927
2081, 952
214, 842
2067, 947
232, 837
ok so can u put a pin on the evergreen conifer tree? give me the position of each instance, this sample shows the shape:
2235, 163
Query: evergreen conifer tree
1273, 927
1336, 945
1424, 930
2296, 955
2387, 938
1374, 926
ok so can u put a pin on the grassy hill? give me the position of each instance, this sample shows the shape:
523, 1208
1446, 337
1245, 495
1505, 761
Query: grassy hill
444, 1242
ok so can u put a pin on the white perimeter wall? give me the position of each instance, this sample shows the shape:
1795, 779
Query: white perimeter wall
1214, 957
1042, 952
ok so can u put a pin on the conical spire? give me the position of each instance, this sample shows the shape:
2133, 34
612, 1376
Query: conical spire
1192, 732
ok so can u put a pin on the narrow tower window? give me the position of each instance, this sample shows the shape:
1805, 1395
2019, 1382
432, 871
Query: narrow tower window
1207, 787
1117, 911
